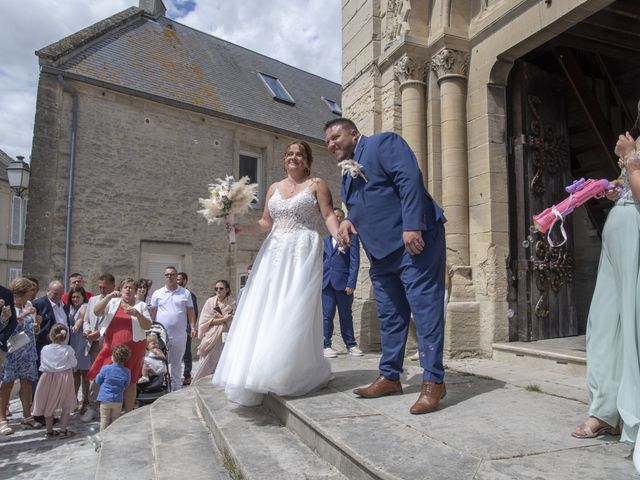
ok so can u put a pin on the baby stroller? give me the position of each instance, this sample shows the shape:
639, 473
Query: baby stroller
158, 385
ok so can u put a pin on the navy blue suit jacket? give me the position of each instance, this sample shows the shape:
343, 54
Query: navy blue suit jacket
393, 199
10, 326
340, 270
45, 310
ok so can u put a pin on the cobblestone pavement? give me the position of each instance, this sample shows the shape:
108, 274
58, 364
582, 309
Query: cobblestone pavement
29, 455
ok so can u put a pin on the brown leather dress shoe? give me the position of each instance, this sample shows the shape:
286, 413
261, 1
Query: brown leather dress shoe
379, 388
430, 395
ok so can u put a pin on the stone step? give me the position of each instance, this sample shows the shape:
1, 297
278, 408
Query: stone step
182, 444
363, 442
125, 447
256, 444
541, 355
162, 441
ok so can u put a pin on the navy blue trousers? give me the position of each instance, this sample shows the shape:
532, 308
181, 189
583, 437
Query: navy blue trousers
332, 298
404, 284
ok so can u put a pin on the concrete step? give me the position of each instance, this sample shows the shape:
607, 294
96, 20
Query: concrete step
551, 355
162, 441
254, 443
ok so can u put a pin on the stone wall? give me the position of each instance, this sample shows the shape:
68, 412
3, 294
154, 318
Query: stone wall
141, 167
470, 46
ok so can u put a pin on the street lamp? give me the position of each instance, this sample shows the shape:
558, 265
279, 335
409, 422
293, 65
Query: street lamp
18, 172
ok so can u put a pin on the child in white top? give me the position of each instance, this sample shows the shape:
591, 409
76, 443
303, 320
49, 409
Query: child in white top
55, 388
153, 359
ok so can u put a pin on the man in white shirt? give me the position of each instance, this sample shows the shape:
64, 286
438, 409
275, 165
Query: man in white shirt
172, 306
91, 329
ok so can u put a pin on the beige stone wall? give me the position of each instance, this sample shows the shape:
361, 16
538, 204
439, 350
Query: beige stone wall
141, 167
491, 34
10, 255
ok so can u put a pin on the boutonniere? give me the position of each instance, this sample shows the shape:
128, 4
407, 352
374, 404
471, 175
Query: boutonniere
352, 168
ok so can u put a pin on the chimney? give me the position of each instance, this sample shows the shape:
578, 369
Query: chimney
153, 8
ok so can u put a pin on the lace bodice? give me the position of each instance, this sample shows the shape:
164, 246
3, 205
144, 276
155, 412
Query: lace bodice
296, 213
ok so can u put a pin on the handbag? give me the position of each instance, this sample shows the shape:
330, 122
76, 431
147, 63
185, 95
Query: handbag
16, 341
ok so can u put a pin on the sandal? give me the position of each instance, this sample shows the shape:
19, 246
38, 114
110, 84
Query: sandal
65, 433
5, 429
51, 434
585, 431
30, 422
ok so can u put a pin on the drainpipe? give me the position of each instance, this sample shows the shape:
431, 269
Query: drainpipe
72, 163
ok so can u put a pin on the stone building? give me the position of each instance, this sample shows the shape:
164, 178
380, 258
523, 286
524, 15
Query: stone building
12, 225
138, 114
504, 103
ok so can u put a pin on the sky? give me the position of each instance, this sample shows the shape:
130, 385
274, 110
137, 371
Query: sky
297, 32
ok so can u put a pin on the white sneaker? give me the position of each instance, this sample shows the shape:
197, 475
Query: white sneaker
89, 415
355, 352
415, 356
330, 353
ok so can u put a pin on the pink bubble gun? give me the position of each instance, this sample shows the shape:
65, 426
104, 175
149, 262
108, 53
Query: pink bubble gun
579, 192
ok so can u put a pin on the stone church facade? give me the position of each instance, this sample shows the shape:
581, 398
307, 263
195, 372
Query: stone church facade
500, 102
139, 114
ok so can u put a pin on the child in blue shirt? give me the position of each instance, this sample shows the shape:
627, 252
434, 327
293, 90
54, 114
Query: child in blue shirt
113, 379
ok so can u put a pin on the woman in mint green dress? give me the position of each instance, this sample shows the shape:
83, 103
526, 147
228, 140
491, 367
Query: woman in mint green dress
613, 329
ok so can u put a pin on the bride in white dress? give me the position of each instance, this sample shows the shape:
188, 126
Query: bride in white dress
275, 341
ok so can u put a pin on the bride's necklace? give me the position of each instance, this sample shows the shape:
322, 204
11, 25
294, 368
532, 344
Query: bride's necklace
292, 184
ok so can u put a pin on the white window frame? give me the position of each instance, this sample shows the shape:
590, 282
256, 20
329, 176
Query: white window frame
18, 207
259, 173
14, 273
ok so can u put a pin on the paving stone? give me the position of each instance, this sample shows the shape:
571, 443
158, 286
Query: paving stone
29, 455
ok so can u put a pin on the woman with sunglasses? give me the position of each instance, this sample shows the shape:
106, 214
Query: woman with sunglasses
215, 319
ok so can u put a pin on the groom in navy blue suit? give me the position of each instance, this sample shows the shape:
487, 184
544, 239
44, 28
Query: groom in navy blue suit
339, 277
402, 231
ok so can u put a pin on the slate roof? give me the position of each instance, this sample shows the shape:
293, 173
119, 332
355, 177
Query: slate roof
163, 58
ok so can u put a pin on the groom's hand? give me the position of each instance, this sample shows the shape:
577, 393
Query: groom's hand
413, 242
345, 231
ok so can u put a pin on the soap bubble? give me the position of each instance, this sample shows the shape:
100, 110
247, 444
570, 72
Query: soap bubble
525, 243
510, 313
533, 229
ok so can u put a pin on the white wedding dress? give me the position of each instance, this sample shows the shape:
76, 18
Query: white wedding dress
275, 340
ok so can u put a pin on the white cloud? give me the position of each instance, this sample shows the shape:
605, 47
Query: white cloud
303, 33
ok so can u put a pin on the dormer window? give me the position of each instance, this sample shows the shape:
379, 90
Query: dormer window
276, 89
333, 105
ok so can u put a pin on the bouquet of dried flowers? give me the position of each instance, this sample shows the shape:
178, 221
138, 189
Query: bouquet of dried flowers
228, 198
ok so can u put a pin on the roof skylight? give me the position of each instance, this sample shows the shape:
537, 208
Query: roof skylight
276, 89
333, 105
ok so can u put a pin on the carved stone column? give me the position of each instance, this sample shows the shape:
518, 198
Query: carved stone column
451, 68
411, 74
463, 325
